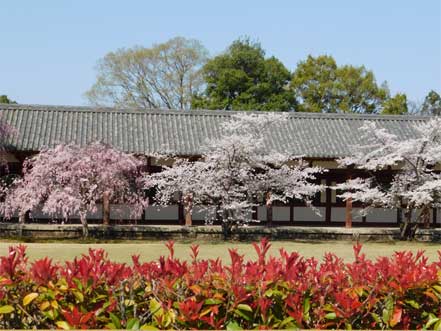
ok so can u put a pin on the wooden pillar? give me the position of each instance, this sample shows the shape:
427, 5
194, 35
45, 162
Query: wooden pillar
269, 210
106, 208
181, 212
348, 220
187, 209
291, 213
254, 213
328, 207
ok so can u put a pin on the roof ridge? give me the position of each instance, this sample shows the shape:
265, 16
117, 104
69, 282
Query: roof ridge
99, 109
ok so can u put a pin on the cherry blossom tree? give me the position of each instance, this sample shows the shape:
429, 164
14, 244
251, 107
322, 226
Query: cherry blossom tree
6, 131
415, 185
71, 180
235, 171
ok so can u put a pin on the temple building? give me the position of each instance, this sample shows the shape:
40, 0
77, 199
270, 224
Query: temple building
318, 138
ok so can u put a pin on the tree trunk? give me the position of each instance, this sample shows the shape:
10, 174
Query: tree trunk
21, 221
227, 225
425, 217
218, 214
408, 229
269, 209
85, 226
226, 230
106, 208
187, 210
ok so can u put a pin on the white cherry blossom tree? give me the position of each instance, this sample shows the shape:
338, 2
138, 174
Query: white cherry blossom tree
235, 171
71, 180
415, 185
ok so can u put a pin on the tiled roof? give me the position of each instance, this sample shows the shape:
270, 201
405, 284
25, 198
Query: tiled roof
184, 132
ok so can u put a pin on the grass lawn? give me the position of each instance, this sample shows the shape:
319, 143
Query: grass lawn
122, 251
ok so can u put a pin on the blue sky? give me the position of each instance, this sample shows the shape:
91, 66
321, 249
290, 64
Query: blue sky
49, 48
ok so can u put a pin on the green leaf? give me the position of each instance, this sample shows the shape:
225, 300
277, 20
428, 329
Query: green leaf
79, 296
288, 322
213, 301
246, 315
245, 307
233, 326
437, 288
432, 320
63, 325
331, 316
386, 316
306, 308
110, 326
78, 283
148, 327
155, 308
115, 320
413, 304
376, 317
132, 324
6, 309
29, 298
388, 310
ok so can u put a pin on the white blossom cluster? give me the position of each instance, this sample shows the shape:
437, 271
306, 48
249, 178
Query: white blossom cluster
236, 171
415, 185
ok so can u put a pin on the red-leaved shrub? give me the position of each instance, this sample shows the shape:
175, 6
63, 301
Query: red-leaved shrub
398, 292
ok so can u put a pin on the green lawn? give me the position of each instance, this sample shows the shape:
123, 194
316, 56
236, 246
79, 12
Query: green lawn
151, 250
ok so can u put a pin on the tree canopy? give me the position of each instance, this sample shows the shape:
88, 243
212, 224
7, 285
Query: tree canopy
242, 78
234, 172
5, 99
414, 184
69, 180
431, 104
164, 76
320, 85
397, 105
178, 74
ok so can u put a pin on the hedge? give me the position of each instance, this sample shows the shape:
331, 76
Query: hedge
288, 291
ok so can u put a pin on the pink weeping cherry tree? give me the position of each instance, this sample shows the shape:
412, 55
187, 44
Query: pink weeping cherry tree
416, 183
6, 132
70, 180
235, 171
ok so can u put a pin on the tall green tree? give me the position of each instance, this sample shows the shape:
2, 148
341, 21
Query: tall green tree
431, 104
242, 78
4, 99
396, 105
166, 75
320, 85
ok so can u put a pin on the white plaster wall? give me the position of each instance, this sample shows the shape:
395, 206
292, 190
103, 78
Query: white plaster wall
121, 212
338, 214
162, 213
261, 213
281, 214
382, 215
306, 214
201, 213
39, 214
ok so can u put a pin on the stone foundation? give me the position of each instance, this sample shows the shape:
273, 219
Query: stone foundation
249, 233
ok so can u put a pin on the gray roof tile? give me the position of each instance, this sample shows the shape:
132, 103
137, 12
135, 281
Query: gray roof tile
184, 132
